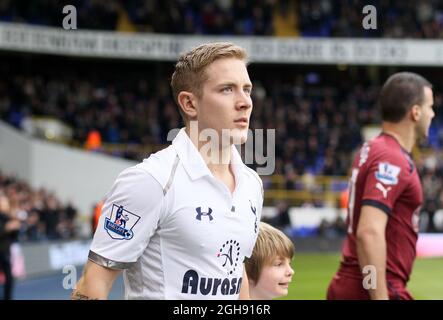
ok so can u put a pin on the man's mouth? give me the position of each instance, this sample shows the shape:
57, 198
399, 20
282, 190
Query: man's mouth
242, 121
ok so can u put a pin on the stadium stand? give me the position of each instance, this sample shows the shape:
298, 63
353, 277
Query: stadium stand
42, 215
318, 18
318, 113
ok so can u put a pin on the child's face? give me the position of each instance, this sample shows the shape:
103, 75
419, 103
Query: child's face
275, 278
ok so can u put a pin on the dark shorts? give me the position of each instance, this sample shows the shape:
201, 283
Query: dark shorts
349, 288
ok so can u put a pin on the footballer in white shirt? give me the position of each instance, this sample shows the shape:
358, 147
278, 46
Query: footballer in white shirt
180, 223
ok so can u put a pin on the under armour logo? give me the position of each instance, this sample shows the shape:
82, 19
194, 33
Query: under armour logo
384, 190
201, 213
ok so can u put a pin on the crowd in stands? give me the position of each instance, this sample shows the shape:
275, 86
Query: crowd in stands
319, 18
41, 214
317, 121
243, 17
317, 116
317, 126
395, 19
431, 172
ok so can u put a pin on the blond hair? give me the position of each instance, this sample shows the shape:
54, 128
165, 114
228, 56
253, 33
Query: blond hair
189, 74
271, 243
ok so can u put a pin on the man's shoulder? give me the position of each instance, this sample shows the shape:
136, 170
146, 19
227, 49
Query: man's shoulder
134, 181
252, 173
390, 159
384, 148
160, 164
381, 143
253, 176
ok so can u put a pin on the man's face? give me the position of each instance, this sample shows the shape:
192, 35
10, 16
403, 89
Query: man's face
226, 101
427, 113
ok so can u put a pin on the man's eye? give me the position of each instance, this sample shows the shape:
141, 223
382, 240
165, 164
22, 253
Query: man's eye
227, 89
248, 90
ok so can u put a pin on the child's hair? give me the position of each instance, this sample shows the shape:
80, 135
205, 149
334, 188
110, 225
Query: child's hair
189, 72
271, 243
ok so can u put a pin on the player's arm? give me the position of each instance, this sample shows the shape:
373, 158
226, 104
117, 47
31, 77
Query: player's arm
244, 291
96, 282
371, 247
114, 251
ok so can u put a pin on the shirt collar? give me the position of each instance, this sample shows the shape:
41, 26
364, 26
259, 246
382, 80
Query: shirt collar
193, 161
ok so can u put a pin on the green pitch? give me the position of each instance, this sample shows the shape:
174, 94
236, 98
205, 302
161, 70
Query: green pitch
314, 271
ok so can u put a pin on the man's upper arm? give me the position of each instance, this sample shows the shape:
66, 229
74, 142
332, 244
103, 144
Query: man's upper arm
129, 218
373, 220
94, 270
385, 181
96, 282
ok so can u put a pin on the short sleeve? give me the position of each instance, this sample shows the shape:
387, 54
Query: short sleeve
384, 183
128, 220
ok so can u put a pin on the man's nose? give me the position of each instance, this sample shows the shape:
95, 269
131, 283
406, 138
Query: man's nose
244, 101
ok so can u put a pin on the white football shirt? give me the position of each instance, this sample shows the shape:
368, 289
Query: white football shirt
176, 230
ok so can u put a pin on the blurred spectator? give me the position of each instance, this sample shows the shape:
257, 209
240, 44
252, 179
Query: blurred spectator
281, 220
9, 229
96, 215
333, 229
70, 216
344, 199
430, 167
93, 141
42, 215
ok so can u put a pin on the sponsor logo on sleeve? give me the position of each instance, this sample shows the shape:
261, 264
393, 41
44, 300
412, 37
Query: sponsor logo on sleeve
387, 173
120, 223
384, 190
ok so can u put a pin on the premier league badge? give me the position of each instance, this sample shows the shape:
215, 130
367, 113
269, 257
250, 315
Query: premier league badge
119, 225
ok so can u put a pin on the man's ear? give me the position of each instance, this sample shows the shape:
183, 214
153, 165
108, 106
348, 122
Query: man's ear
416, 112
187, 101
